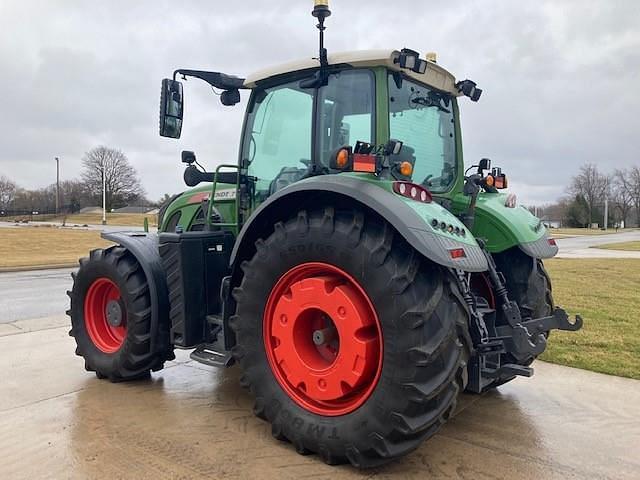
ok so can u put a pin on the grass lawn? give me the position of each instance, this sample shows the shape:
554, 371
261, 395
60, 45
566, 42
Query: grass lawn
607, 295
124, 219
36, 246
628, 246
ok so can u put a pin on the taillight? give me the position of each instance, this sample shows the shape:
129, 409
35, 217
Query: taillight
552, 242
413, 191
457, 253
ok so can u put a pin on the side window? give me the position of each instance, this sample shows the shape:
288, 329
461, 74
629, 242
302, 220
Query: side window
346, 111
277, 145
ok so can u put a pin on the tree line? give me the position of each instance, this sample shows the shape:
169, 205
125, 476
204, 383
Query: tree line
121, 180
584, 204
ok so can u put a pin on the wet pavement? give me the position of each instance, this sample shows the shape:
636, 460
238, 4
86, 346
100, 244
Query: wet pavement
191, 421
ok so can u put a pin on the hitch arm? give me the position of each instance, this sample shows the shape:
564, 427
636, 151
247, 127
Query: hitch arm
558, 321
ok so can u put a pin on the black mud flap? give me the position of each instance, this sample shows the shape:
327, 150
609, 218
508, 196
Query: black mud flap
144, 246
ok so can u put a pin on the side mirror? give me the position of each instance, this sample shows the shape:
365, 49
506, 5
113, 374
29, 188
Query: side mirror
230, 97
171, 108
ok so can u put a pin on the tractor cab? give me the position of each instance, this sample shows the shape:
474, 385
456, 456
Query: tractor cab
394, 112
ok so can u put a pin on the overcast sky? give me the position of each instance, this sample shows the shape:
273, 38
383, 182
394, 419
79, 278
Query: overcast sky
560, 78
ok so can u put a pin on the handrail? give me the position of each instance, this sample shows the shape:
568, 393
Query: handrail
213, 197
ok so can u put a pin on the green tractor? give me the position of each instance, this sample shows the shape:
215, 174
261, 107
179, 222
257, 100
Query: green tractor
359, 276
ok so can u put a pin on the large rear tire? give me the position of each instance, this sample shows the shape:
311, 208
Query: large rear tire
111, 316
390, 376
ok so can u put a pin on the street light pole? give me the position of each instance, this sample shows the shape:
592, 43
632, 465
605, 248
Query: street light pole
104, 197
57, 185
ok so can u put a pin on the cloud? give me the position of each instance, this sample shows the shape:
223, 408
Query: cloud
559, 78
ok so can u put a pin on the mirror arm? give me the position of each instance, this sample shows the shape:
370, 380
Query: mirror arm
215, 79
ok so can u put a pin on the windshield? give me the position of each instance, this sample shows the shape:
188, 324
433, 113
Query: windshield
423, 120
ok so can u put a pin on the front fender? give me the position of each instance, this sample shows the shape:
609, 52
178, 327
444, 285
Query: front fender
144, 246
502, 227
411, 219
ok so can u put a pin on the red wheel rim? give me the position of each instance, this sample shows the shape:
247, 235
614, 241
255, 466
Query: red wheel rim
104, 315
481, 284
323, 339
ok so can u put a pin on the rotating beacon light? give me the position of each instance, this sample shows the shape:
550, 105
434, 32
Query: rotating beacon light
321, 12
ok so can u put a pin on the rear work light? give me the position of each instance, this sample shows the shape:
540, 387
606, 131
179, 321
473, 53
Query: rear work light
413, 191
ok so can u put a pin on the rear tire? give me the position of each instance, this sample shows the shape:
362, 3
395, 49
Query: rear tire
111, 316
420, 314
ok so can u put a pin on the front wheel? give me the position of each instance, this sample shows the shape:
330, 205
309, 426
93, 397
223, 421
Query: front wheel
348, 338
111, 316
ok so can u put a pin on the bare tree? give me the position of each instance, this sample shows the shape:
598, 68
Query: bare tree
622, 193
74, 195
121, 179
634, 182
591, 185
7, 192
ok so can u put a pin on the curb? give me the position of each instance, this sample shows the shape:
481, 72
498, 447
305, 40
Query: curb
37, 267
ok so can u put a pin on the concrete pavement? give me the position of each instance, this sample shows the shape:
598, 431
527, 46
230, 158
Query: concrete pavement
580, 246
191, 421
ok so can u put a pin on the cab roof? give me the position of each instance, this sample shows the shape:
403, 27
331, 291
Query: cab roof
435, 76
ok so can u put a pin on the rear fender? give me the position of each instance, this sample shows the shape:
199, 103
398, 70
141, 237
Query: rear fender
144, 247
411, 219
501, 227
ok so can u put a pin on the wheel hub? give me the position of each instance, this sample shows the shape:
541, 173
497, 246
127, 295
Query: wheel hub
104, 315
114, 313
323, 339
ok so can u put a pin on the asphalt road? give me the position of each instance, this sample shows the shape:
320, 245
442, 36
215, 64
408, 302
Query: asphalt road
34, 294
102, 228
580, 246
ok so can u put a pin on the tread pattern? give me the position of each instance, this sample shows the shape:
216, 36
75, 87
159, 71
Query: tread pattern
424, 319
135, 359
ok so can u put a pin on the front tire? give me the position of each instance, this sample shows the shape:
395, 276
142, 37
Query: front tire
111, 316
401, 315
